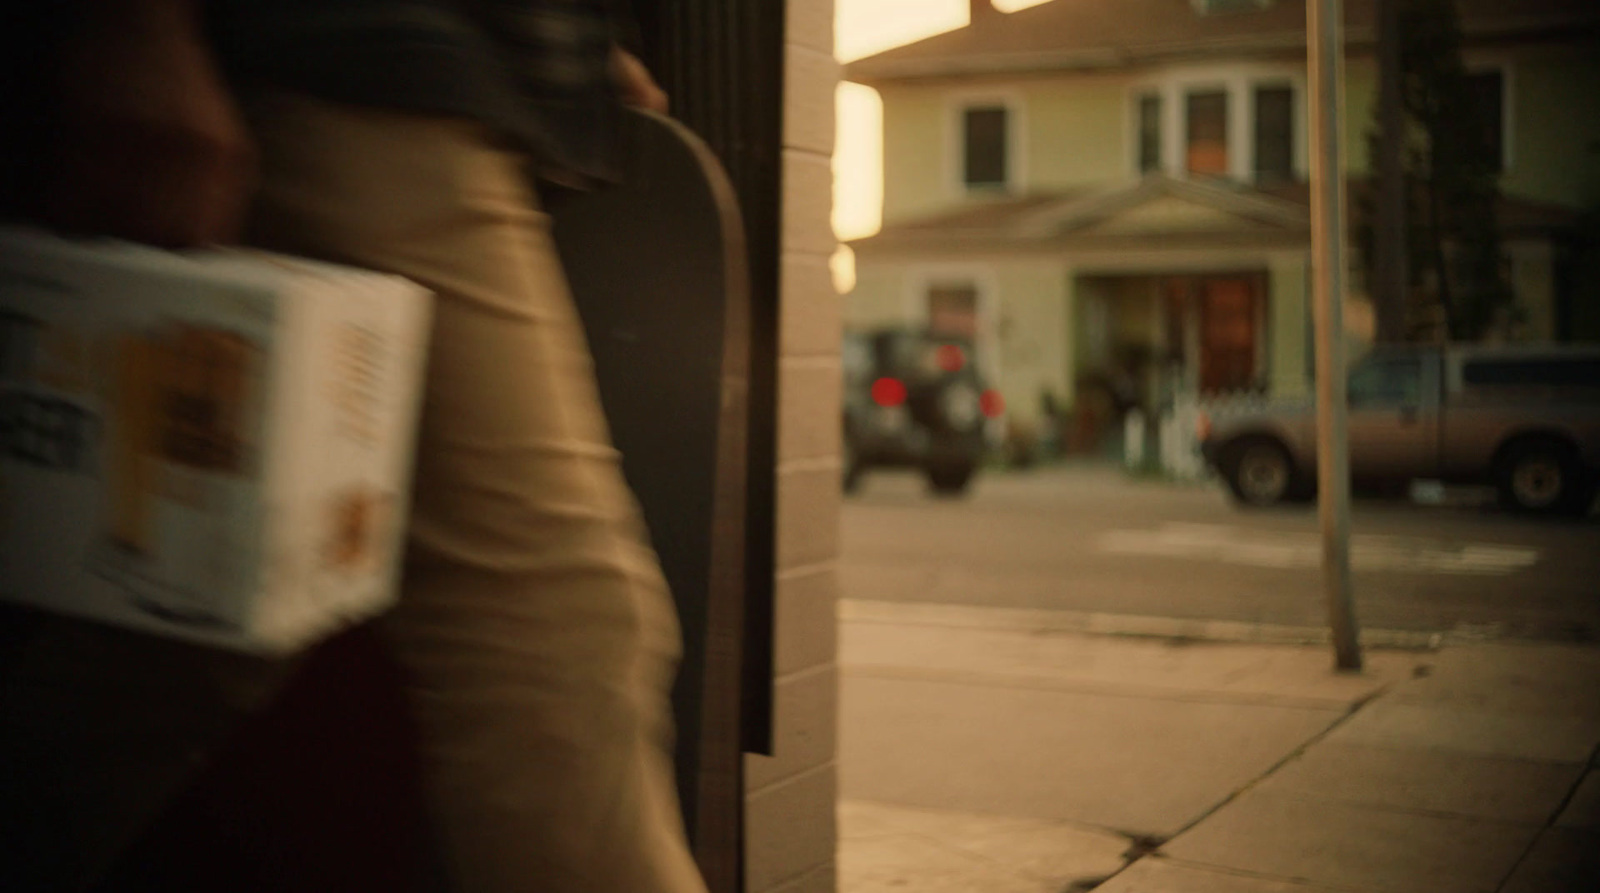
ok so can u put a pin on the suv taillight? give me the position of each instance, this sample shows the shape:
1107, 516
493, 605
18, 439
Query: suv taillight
888, 392
951, 358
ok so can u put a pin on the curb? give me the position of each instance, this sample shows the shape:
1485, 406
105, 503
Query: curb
1137, 626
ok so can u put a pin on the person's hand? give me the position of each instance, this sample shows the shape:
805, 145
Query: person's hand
635, 84
151, 146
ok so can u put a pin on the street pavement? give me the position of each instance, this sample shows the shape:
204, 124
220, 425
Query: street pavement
977, 756
1072, 680
1089, 539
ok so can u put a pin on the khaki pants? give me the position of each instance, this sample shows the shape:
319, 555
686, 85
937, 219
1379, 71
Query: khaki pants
534, 624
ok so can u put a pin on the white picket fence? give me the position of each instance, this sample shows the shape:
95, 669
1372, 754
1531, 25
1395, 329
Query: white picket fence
1177, 447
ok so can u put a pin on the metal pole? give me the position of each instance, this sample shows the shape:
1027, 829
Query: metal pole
1326, 50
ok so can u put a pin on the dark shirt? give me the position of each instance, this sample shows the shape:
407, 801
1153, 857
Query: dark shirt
535, 71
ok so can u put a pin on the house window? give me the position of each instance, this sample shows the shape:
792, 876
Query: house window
1274, 134
1385, 382
1243, 126
1487, 91
953, 310
986, 138
1207, 149
1150, 133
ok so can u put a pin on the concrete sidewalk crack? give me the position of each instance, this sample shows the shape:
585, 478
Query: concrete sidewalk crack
1550, 822
1355, 707
1147, 846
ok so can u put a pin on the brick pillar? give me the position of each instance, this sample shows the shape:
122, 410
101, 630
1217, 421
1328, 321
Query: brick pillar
790, 832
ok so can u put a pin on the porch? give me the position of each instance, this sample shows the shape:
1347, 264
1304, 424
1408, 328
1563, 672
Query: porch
1146, 340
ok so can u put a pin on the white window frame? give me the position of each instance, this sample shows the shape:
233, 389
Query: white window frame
955, 154
1239, 82
982, 277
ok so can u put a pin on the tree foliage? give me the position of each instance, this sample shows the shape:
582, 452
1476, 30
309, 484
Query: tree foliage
1452, 179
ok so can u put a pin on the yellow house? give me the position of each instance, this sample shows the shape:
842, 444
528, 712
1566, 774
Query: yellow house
1111, 193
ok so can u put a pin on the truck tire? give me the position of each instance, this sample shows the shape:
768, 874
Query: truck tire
1544, 475
951, 478
1260, 473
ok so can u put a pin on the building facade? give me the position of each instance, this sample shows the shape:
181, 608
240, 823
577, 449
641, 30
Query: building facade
1115, 190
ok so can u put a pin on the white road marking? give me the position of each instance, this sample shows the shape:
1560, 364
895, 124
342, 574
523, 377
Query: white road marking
1368, 552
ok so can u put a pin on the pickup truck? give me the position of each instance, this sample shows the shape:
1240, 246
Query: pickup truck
1525, 420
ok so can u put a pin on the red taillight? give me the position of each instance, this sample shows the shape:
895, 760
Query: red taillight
951, 358
888, 392
992, 404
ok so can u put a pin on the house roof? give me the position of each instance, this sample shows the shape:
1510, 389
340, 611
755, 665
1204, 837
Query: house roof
1157, 212
1089, 34
1516, 216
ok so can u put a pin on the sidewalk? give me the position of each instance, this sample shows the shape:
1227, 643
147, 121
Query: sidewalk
984, 756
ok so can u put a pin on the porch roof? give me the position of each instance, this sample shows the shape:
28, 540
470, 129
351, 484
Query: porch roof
1158, 213
1068, 35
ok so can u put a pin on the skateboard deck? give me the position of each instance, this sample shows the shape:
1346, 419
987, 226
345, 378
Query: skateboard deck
657, 269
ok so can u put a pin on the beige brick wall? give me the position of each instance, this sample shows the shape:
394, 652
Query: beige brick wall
790, 833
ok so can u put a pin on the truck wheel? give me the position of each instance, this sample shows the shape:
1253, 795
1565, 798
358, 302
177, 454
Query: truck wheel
951, 478
1544, 476
1260, 473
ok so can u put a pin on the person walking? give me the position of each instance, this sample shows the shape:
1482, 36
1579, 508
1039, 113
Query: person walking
534, 633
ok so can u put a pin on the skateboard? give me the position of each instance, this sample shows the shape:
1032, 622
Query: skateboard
657, 269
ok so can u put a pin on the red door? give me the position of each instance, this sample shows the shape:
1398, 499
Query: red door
1228, 314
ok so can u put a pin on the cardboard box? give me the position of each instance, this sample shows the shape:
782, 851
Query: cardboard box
214, 446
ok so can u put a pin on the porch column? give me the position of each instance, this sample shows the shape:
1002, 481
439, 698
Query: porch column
1193, 340
1288, 328
1071, 320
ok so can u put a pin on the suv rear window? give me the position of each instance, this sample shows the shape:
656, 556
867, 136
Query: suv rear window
1538, 373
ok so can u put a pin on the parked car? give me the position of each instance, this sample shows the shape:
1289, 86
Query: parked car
916, 400
1524, 419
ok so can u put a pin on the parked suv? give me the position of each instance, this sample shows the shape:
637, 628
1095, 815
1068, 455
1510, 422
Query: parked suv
1526, 420
915, 400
